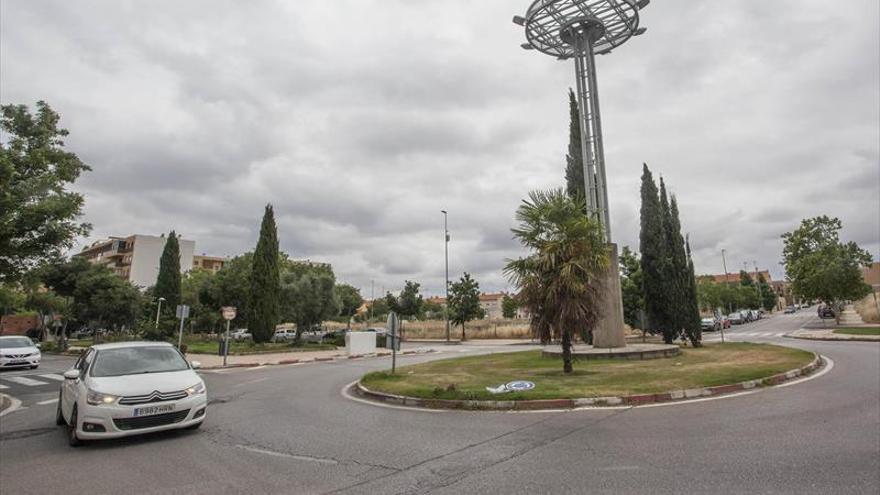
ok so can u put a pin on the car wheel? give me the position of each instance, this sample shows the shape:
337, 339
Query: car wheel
72, 439
59, 416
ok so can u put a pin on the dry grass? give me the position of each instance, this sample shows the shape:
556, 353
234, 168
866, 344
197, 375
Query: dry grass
867, 309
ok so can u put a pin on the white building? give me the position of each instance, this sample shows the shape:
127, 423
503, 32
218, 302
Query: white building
136, 257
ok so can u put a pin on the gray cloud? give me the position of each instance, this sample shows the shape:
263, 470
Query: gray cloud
359, 121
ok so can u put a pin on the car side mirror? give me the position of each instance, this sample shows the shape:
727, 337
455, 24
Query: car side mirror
71, 374
195, 364
38, 345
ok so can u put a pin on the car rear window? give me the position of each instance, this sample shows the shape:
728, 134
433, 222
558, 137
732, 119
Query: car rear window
137, 360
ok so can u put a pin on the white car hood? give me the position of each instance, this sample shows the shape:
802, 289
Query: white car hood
145, 383
18, 350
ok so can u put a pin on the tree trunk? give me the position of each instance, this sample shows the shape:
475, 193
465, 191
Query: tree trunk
566, 352
462, 332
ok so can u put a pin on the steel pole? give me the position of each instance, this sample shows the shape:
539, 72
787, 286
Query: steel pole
159, 309
180, 336
226, 345
446, 256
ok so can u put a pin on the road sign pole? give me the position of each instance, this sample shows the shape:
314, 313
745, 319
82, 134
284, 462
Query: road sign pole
180, 337
226, 345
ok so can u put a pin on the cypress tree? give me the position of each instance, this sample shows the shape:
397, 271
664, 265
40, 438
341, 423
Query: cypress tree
265, 290
574, 160
653, 248
168, 281
672, 268
692, 325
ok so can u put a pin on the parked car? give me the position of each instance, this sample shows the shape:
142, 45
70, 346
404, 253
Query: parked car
725, 321
825, 311
334, 335
311, 336
129, 388
736, 318
18, 351
746, 316
240, 334
284, 335
710, 324
378, 330
790, 310
755, 314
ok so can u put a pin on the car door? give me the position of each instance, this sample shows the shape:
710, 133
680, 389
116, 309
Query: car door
71, 388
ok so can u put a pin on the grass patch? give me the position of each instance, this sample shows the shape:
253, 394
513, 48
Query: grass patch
244, 348
468, 377
859, 331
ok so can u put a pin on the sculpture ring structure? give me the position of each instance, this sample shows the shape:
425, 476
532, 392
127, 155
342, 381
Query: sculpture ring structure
546, 23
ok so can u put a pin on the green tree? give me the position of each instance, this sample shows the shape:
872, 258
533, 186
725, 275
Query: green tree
679, 279
106, 300
38, 214
768, 297
379, 308
230, 287
692, 325
820, 266
631, 287
653, 248
12, 298
195, 289
559, 280
350, 301
574, 160
464, 302
432, 310
509, 305
265, 281
409, 303
307, 295
168, 282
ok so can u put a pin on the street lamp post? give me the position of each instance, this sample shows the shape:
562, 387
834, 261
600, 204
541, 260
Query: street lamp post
446, 256
159, 309
726, 277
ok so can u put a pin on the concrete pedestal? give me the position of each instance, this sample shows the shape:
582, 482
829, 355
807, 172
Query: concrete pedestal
608, 332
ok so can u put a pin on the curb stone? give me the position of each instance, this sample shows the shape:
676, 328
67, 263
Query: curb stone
587, 402
339, 357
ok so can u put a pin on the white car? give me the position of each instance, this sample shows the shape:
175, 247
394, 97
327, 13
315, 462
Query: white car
129, 388
19, 351
240, 335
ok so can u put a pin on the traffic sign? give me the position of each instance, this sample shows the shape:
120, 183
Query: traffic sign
182, 311
228, 312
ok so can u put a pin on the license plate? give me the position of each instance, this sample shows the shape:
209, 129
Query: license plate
151, 410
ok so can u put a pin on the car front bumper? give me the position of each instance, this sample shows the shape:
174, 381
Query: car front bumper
6, 362
119, 421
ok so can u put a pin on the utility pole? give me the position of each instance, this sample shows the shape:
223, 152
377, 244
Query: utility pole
372, 298
758, 287
726, 277
446, 255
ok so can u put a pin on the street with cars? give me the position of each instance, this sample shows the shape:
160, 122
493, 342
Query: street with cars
293, 429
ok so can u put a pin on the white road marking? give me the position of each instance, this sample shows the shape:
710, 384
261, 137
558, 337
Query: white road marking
45, 402
21, 380
3, 386
53, 377
14, 405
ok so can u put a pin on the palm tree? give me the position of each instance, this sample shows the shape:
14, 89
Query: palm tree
559, 281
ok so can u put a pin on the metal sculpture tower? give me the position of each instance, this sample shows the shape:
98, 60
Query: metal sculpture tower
582, 29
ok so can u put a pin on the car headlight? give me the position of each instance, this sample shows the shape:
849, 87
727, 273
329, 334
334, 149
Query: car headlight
198, 388
97, 398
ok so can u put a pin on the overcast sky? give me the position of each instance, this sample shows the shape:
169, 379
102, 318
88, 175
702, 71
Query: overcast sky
360, 120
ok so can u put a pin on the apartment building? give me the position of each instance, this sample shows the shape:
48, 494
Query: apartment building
136, 257
205, 262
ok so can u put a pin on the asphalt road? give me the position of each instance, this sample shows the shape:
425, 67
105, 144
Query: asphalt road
288, 429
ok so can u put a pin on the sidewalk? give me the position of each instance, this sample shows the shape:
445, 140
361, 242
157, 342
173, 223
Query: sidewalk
828, 334
214, 361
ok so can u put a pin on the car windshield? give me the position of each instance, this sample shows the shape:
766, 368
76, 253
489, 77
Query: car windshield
15, 343
137, 360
